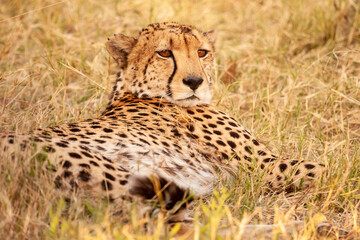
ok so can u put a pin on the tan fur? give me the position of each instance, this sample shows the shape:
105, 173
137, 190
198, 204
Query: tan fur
151, 129
148, 74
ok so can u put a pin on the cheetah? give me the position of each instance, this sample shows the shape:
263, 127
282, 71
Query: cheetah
159, 128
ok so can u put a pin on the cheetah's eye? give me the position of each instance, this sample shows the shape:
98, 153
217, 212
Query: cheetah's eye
202, 53
164, 53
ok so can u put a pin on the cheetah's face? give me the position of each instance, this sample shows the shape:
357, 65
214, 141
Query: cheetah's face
167, 60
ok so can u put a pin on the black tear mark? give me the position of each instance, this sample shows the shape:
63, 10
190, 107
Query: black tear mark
169, 93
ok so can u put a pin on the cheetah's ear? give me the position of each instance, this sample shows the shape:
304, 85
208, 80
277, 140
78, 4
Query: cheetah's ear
211, 36
119, 46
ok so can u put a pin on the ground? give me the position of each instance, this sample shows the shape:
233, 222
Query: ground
288, 71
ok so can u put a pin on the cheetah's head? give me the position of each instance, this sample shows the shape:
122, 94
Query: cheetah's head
167, 60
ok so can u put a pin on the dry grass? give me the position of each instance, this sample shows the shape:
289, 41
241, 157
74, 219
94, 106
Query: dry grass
287, 70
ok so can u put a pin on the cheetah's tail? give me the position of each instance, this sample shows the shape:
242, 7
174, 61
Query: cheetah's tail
167, 193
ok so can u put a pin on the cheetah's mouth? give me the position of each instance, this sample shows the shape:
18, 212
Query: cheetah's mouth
191, 101
192, 97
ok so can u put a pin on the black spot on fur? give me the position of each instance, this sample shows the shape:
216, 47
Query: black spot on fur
94, 163
283, 167
144, 141
60, 144
248, 149
191, 128
67, 174
248, 158
292, 163
75, 155
106, 185
57, 182
57, 131
84, 176
311, 175
108, 166
231, 144
67, 164
85, 165
87, 154
217, 132
206, 131
232, 124
261, 153
220, 122
269, 160
234, 135
109, 114
123, 182
109, 176
309, 166
75, 130
225, 156
108, 130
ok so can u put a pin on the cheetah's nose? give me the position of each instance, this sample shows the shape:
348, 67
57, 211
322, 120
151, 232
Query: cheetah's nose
193, 82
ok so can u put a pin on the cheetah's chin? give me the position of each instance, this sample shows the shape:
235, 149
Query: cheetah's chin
191, 101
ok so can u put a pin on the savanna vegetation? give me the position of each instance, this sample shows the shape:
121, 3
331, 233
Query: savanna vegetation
287, 70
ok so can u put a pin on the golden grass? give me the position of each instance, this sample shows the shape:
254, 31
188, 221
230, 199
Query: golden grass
287, 70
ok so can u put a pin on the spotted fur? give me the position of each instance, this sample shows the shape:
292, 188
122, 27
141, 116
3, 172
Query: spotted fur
159, 124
